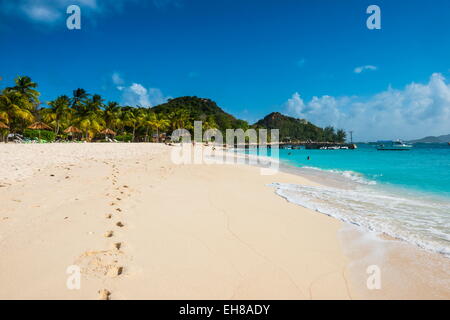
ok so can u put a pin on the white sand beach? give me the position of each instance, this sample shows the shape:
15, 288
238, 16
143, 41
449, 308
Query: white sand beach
141, 227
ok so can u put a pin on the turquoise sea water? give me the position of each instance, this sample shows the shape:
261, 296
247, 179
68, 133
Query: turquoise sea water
425, 168
405, 194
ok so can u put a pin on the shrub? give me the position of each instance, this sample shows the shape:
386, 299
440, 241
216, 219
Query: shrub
34, 134
124, 137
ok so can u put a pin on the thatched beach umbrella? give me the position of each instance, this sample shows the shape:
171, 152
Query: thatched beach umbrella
107, 132
3, 126
39, 126
71, 130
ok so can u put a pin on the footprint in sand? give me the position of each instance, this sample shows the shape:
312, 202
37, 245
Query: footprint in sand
120, 224
108, 216
114, 271
104, 294
117, 245
119, 210
108, 234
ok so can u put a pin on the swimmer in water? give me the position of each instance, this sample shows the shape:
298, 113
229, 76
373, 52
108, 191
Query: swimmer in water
309, 158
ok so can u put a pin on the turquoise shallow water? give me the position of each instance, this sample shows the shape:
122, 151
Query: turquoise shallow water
404, 194
425, 168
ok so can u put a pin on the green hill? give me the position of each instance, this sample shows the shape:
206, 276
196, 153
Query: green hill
189, 109
206, 110
299, 129
432, 139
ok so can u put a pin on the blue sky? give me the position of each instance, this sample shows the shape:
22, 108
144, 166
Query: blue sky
313, 59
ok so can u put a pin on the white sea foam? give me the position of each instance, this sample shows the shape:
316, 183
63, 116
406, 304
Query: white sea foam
422, 221
352, 175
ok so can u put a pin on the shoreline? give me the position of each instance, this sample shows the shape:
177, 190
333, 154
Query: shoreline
184, 227
403, 259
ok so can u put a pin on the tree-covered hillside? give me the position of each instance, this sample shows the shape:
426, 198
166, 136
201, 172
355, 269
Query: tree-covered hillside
206, 110
299, 129
89, 117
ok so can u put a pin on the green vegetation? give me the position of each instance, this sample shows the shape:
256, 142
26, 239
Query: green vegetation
124, 138
89, 115
184, 110
39, 134
299, 129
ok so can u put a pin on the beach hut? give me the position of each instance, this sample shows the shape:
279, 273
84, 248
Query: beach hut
108, 132
2, 126
39, 126
71, 130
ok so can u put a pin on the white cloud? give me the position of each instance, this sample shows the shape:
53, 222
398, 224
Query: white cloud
415, 111
117, 79
364, 68
138, 95
156, 96
41, 13
52, 11
45, 11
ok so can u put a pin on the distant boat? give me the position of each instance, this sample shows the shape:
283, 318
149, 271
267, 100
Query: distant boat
398, 145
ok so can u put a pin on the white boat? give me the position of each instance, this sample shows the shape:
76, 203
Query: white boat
397, 145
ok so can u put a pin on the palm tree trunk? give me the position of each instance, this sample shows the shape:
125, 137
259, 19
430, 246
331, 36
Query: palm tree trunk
146, 134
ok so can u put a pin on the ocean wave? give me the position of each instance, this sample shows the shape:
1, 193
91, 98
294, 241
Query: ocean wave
421, 221
348, 174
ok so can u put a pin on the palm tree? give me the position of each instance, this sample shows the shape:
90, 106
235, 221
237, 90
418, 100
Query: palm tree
154, 121
15, 109
111, 115
89, 117
79, 95
147, 121
59, 111
97, 101
160, 124
209, 123
26, 87
132, 117
180, 119
341, 135
328, 134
